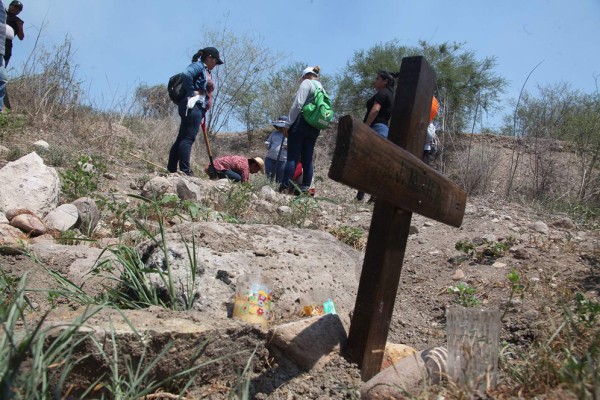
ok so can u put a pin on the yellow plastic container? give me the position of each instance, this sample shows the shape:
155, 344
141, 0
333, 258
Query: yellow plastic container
317, 302
253, 299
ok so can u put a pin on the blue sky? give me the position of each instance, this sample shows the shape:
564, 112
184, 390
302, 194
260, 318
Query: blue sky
119, 44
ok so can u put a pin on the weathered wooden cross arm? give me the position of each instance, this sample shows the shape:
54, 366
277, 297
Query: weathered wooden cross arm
402, 184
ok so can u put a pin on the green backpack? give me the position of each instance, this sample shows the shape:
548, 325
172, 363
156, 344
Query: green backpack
318, 113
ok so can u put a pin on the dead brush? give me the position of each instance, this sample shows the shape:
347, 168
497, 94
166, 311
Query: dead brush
565, 357
48, 86
474, 166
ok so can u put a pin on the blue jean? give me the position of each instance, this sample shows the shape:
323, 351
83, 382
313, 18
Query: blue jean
381, 129
3, 82
181, 150
274, 169
301, 146
231, 174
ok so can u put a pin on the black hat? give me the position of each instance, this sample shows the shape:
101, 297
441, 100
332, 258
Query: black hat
211, 51
17, 4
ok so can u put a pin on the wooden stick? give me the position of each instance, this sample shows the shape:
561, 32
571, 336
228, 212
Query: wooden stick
149, 162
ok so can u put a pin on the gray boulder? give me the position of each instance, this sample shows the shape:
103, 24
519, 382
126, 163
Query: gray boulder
156, 187
63, 218
29, 183
88, 215
188, 190
296, 260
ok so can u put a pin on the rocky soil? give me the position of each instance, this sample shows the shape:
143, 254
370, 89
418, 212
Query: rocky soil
551, 254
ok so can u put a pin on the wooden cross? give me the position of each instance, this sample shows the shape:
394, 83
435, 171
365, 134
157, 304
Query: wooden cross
392, 171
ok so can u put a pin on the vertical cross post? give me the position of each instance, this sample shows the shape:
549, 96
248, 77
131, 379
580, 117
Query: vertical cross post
390, 225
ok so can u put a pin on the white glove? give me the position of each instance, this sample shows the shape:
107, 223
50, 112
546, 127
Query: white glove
192, 100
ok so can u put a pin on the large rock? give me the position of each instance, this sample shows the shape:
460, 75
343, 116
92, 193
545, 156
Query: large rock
308, 342
188, 190
28, 183
296, 260
62, 218
156, 187
88, 213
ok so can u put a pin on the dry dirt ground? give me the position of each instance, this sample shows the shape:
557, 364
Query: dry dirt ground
563, 260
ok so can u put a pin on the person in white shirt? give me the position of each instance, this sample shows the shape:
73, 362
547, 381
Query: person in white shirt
302, 137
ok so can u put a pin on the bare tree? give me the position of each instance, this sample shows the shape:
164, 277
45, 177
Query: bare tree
154, 101
246, 62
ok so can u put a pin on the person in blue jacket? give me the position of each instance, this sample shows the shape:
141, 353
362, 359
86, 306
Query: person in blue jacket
198, 87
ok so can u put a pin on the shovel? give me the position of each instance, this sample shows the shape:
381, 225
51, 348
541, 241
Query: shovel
212, 172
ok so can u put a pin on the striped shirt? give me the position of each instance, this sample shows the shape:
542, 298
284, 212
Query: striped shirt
237, 164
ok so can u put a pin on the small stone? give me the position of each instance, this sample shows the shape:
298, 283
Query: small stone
531, 315
458, 275
539, 227
489, 238
284, 210
109, 176
42, 144
564, 223
521, 254
29, 224
498, 265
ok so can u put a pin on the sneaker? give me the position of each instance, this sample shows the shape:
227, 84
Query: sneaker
360, 196
189, 173
283, 189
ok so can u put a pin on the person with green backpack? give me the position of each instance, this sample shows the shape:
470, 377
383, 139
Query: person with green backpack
310, 112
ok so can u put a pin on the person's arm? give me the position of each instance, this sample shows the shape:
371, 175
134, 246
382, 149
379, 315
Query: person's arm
270, 140
20, 32
299, 100
245, 169
191, 73
373, 113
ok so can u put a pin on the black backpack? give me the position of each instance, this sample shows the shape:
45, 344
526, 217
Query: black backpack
175, 88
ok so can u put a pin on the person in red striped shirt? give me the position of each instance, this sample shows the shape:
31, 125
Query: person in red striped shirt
236, 168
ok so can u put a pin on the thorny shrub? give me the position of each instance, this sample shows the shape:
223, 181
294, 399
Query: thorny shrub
82, 179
